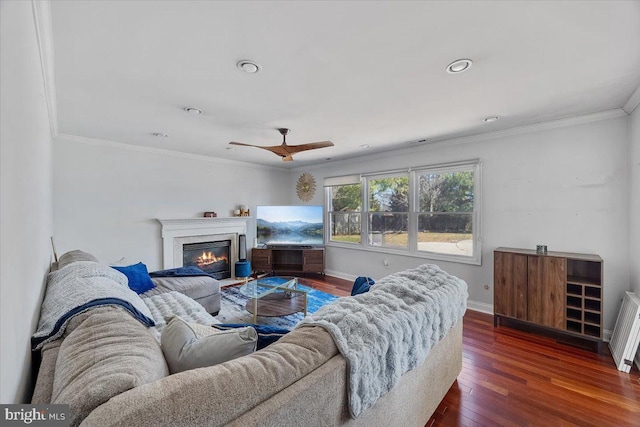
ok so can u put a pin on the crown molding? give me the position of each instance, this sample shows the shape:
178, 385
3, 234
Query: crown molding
44, 36
161, 151
536, 127
632, 102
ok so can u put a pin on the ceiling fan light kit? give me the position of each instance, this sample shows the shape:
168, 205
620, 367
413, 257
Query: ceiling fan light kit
287, 151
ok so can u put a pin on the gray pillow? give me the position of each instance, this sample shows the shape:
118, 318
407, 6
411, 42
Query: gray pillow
190, 345
74, 256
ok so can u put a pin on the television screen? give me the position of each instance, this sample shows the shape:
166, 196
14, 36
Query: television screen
289, 225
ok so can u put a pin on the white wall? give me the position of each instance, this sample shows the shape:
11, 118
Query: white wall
565, 187
634, 200
108, 195
25, 196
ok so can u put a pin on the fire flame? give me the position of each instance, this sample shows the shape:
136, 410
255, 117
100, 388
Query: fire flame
208, 258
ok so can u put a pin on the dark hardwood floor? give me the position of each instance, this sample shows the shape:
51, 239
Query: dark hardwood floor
513, 378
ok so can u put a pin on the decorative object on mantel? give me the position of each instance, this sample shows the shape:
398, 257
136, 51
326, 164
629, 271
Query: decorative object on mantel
306, 187
243, 210
210, 215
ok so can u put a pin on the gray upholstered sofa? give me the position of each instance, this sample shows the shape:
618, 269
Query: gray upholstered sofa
300, 380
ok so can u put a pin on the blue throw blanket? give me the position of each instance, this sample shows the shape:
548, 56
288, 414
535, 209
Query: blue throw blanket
180, 272
77, 288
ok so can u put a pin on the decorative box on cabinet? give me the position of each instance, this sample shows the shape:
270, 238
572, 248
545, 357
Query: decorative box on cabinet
559, 291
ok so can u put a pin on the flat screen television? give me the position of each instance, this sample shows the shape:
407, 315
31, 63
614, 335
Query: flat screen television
289, 226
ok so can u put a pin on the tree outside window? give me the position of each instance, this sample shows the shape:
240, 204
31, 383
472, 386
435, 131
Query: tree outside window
445, 212
345, 212
389, 211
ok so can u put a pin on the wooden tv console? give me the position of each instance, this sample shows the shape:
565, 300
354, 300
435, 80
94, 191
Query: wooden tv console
288, 260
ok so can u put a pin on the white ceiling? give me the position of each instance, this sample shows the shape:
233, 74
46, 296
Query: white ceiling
351, 72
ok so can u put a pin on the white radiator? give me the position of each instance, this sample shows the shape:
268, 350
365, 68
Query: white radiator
626, 334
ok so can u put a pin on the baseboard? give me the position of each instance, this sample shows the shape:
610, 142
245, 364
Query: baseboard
482, 307
606, 335
339, 275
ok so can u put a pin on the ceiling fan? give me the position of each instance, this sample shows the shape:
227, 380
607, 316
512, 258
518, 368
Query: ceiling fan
287, 151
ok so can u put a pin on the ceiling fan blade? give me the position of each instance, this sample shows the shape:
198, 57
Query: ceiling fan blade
287, 151
310, 146
280, 150
243, 144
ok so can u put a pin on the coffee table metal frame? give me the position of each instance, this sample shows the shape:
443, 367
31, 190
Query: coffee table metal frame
251, 289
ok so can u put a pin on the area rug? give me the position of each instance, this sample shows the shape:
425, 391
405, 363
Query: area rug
232, 310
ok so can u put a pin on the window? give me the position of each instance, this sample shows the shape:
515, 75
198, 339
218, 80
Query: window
389, 211
345, 213
429, 212
445, 211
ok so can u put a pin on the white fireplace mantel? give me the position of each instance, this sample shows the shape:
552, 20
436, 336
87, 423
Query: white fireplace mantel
175, 232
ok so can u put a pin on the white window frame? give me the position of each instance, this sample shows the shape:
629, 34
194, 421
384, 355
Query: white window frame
412, 251
328, 208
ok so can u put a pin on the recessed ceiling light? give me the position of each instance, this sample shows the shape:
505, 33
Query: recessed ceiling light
459, 65
193, 110
248, 66
491, 119
365, 146
164, 135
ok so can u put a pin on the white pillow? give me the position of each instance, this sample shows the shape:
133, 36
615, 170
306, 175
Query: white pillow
191, 345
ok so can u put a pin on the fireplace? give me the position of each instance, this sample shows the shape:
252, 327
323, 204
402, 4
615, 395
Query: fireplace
211, 257
179, 235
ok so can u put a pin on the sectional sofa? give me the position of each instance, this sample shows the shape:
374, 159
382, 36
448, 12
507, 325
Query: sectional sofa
110, 368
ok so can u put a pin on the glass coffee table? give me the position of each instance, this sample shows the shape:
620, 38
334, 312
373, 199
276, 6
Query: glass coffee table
274, 296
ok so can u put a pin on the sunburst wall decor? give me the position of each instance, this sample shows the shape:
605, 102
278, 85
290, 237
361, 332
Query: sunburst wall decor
306, 187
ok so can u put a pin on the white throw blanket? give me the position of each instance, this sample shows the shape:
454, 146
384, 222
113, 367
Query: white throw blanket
169, 304
76, 288
389, 330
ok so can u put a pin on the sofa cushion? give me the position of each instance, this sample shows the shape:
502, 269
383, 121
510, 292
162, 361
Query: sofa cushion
74, 256
216, 395
192, 286
191, 345
105, 352
138, 275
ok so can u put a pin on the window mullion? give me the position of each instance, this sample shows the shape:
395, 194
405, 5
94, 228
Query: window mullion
364, 219
412, 227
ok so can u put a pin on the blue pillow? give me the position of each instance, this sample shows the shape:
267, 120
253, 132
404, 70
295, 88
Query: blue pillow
139, 280
266, 334
362, 285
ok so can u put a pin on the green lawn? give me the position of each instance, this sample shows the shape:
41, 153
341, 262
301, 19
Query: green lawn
401, 239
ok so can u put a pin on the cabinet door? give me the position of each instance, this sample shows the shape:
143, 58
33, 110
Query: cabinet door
546, 290
510, 285
261, 259
313, 260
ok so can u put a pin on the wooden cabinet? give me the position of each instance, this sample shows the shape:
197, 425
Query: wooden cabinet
261, 259
546, 280
559, 290
288, 260
313, 260
510, 285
